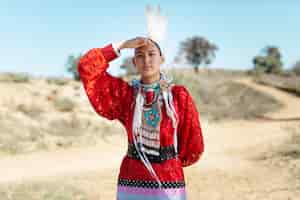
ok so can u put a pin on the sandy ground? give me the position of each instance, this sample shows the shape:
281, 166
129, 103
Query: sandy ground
226, 170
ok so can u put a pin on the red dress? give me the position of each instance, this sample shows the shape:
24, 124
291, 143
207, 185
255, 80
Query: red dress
113, 98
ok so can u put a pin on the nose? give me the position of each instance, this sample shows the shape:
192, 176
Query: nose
147, 60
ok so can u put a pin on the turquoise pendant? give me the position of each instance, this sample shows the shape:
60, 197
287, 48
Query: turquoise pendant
152, 116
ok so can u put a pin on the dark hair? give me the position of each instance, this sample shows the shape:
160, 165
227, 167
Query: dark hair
156, 44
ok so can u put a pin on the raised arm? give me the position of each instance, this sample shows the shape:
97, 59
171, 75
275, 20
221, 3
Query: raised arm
105, 92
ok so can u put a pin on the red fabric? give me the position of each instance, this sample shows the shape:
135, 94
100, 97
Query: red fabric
149, 96
113, 98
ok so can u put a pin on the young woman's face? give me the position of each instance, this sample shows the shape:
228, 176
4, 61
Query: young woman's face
147, 60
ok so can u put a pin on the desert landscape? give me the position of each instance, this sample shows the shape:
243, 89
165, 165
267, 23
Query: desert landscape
53, 146
239, 60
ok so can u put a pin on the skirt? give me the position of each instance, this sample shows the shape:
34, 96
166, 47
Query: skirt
150, 190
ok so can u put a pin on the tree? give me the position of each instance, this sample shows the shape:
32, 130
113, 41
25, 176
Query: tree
197, 51
71, 65
128, 66
296, 68
259, 64
269, 61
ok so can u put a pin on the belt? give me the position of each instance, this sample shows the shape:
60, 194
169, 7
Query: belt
165, 153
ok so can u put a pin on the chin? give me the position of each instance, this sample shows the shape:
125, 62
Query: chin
148, 74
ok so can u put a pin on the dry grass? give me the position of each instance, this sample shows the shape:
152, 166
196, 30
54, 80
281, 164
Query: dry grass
86, 186
218, 97
42, 190
32, 110
289, 148
63, 104
21, 133
285, 154
57, 81
15, 77
290, 83
31, 117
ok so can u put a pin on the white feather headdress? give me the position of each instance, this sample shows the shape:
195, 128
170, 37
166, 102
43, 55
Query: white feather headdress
156, 24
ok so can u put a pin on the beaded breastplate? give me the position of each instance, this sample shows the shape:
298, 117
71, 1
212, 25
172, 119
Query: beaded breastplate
151, 118
147, 118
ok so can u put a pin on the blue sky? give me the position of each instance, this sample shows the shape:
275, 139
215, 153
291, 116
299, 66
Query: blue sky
37, 36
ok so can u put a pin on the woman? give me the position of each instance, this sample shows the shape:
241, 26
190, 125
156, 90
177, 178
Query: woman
161, 120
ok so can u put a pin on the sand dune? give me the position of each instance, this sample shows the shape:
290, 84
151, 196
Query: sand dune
226, 170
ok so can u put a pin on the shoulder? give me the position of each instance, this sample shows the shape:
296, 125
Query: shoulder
181, 94
178, 88
185, 102
180, 91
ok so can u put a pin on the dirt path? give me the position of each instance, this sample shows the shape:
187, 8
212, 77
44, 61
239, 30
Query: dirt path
225, 171
291, 103
62, 162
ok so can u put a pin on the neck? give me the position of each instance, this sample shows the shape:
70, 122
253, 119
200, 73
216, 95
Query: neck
150, 80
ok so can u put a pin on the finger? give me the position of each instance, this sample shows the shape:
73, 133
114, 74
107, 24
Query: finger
142, 42
139, 39
148, 41
145, 41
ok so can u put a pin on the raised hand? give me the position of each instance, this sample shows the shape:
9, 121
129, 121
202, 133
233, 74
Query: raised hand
134, 43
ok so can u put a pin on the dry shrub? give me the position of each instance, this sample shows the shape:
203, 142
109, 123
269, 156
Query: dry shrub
17, 137
291, 147
296, 68
63, 104
72, 126
57, 81
289, 83
218, 97
32, 110
14, 77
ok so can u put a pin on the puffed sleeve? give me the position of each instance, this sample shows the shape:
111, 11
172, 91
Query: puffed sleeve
105, 92
190, 139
